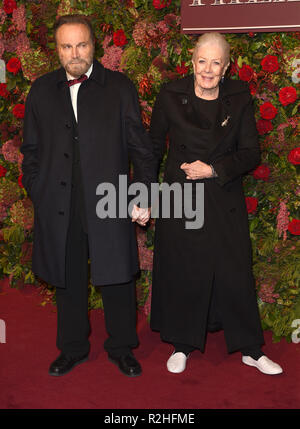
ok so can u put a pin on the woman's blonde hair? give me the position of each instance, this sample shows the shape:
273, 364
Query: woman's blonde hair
213, 37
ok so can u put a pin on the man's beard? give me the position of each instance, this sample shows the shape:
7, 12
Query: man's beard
76, 69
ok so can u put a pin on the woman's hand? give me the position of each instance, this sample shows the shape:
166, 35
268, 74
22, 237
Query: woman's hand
140, 215
197, 170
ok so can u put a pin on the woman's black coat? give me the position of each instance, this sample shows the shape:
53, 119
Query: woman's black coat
191, 264
110, 133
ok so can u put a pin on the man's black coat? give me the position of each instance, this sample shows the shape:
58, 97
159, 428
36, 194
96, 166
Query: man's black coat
110, 133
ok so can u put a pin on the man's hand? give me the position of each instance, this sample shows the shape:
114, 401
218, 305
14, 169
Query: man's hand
197, 170
139, 215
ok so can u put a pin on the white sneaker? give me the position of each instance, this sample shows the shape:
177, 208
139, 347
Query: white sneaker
177, 362
264, 364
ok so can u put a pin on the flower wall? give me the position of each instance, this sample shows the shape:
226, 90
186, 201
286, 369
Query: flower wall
142, 39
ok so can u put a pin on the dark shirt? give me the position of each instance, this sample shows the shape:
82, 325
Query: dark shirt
207, 108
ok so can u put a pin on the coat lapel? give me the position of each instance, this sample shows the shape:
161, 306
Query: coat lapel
224, 121
186, 97
64, 105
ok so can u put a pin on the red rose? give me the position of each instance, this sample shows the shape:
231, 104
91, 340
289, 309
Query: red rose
9, 6
294, 227
262, 172
268, 111
19, 111
251, 204
13, 65
160, 4
3, 90
253, 88
246, 73
269, 63
182, 69
119, 38
287, 95
263, 126
2, 171
294, 156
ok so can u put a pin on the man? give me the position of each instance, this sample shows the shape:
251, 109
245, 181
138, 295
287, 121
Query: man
82, 124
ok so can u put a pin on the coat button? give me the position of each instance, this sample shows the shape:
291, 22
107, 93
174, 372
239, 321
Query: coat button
61, 212
66, 155
76, 137
183, 146
63, 183
232, 210
68, 125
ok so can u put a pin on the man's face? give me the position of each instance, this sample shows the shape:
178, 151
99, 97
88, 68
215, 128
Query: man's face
75, 48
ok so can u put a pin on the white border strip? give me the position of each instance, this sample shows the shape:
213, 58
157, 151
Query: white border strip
240, 28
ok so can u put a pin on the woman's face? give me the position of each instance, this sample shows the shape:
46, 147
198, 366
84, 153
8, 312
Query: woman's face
209, 65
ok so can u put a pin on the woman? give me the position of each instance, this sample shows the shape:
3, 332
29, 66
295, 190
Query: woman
202, 278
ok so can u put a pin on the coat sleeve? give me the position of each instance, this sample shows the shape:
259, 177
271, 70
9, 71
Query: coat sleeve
29, 147
247, 155
138, 141
159, 128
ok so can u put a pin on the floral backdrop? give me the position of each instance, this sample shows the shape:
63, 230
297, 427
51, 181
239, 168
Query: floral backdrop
142, 39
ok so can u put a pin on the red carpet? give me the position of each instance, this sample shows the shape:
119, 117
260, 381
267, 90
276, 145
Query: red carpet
214, 380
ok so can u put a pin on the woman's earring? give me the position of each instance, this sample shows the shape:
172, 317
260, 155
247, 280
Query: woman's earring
222, 79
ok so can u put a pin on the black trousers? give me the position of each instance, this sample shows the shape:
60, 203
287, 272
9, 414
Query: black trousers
119, 301
214, 323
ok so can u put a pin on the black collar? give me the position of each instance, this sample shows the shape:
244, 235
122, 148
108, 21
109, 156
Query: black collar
98, 74
227, 88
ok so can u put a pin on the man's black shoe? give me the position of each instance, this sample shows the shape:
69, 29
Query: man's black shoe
64, 364
127, 364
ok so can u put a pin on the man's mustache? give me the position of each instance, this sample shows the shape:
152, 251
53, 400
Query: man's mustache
78, 61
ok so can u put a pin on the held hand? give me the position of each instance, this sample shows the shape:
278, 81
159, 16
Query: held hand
197, 170
140, 215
